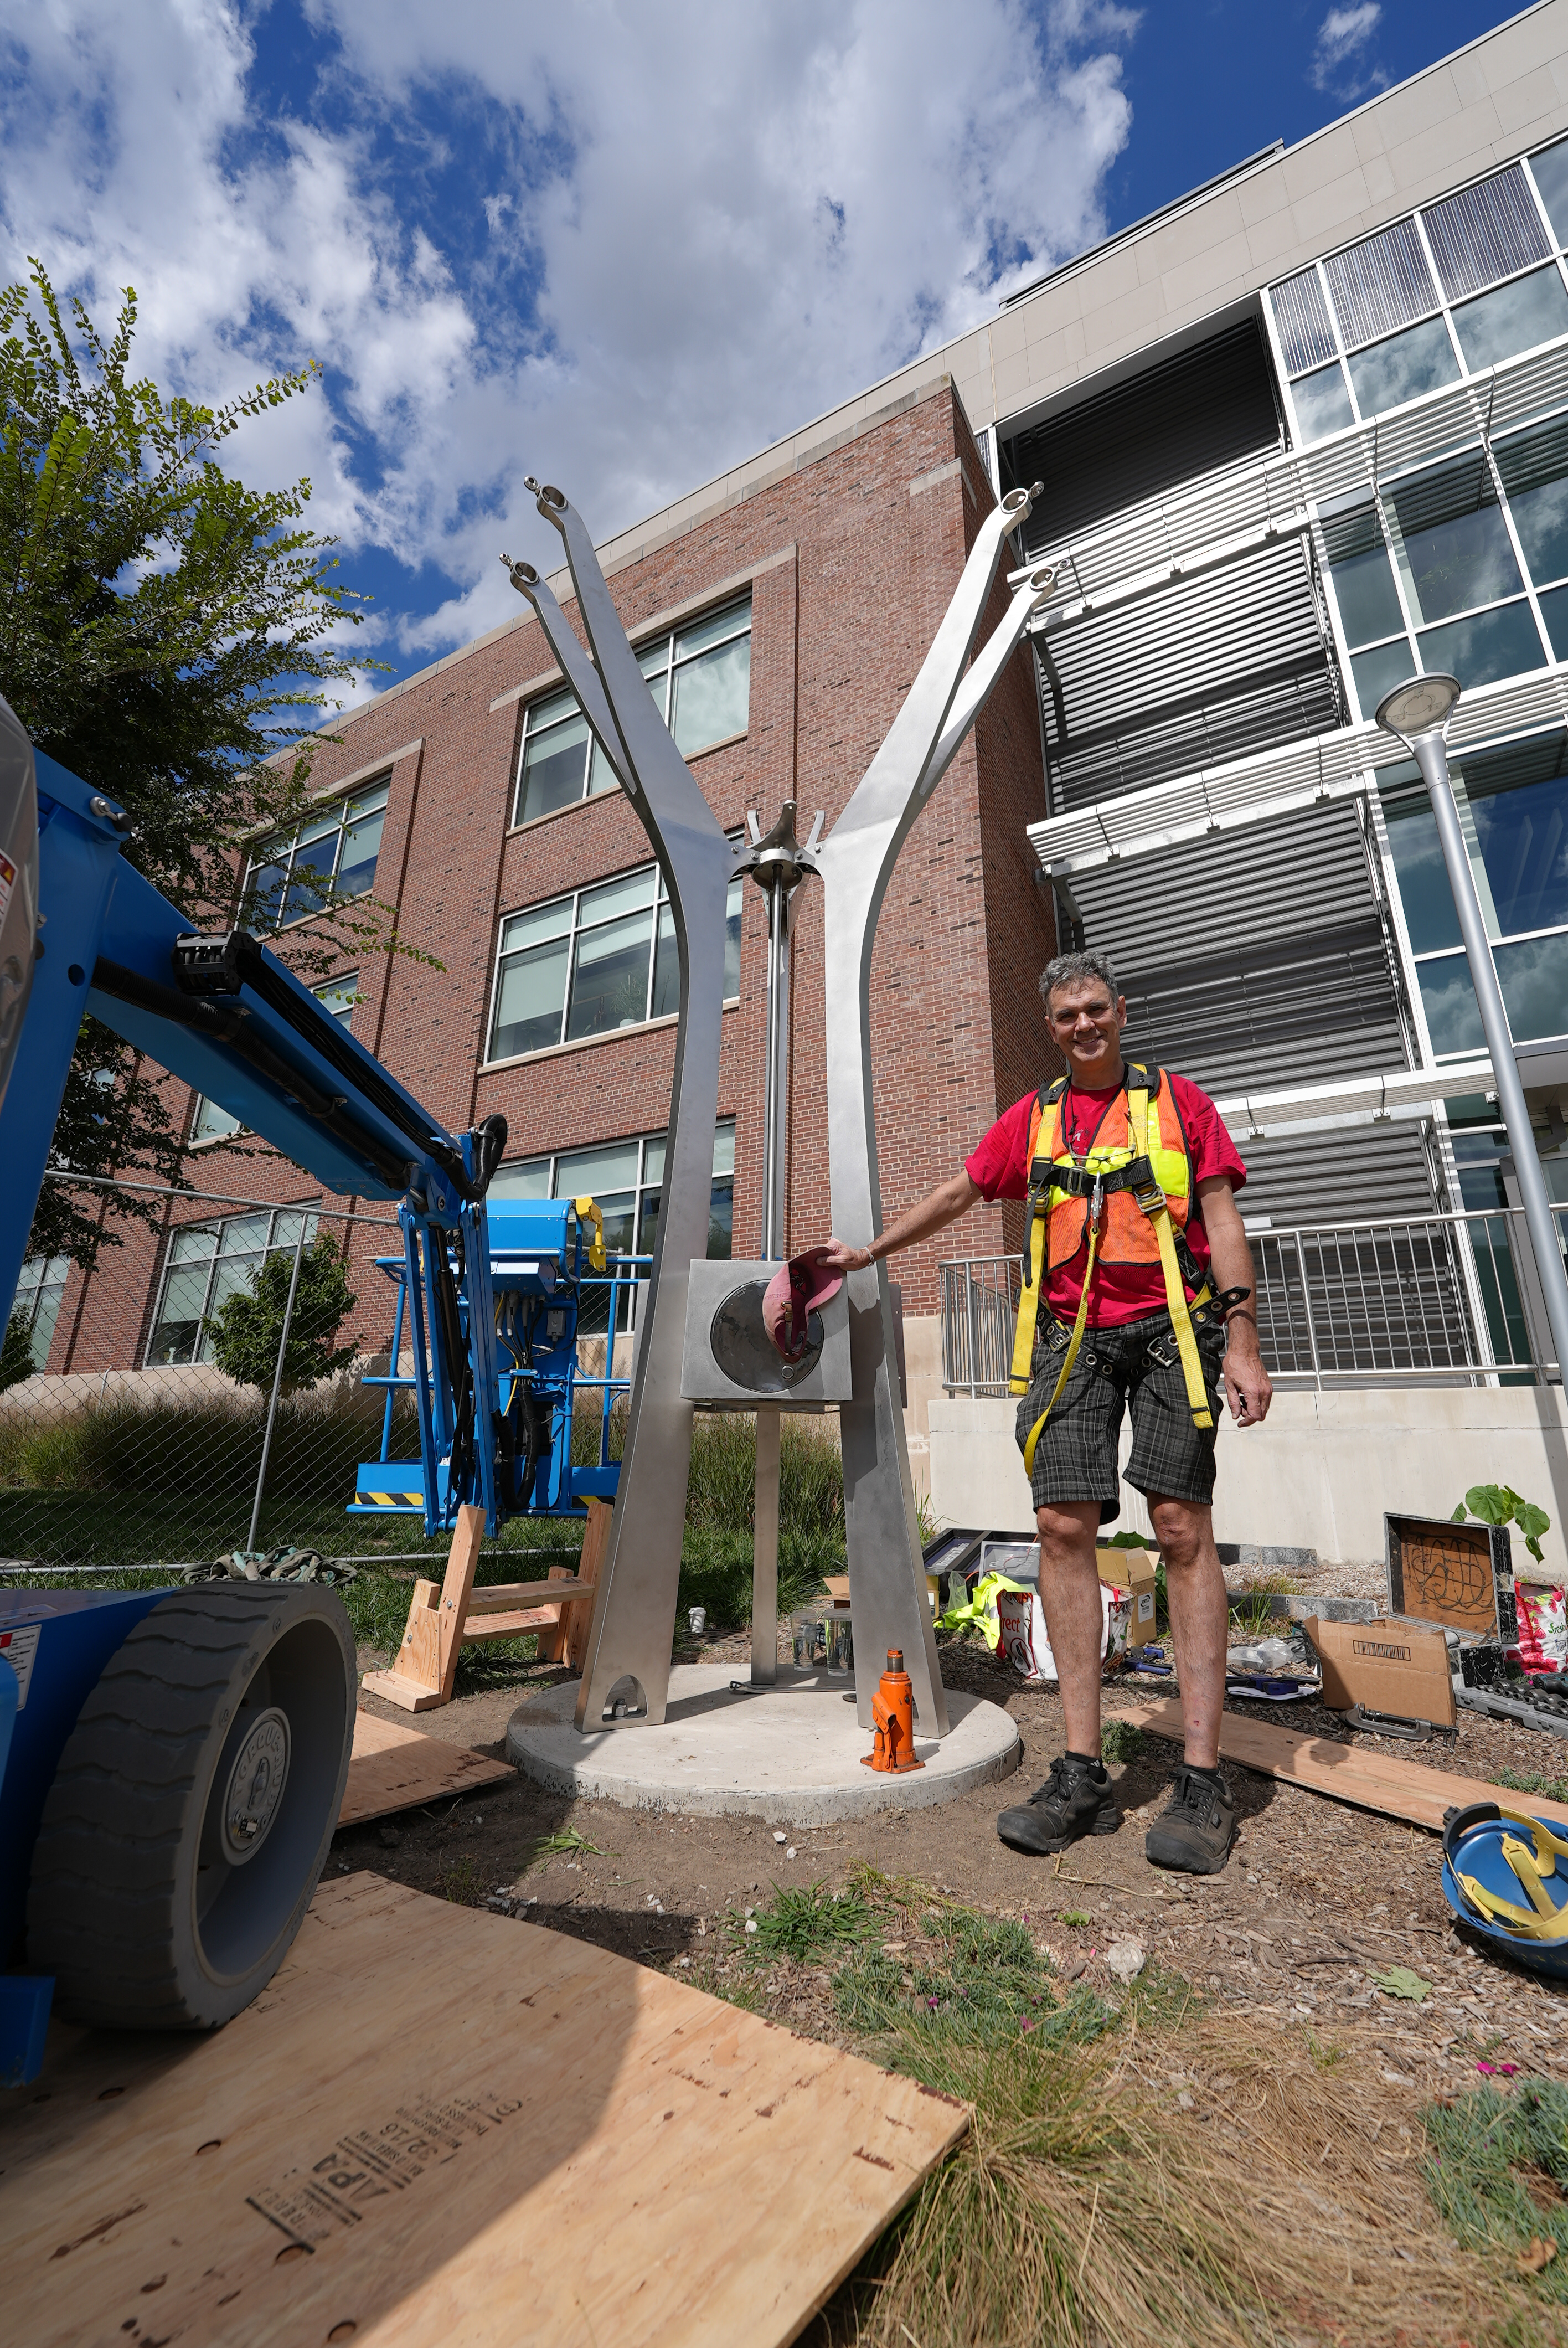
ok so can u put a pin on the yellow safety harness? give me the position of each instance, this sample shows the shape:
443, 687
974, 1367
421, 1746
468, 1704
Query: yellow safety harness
1106, 1170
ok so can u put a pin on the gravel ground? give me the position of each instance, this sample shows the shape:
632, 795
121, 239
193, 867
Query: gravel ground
1318, 1898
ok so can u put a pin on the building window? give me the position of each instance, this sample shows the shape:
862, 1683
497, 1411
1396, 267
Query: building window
598, 960
1370, 328
700, 678
626, 1180
212, 1123
208, 1262
1514, 809
333, 854
40, 1285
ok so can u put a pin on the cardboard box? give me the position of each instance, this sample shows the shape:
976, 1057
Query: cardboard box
1131, 1569
1393, 1665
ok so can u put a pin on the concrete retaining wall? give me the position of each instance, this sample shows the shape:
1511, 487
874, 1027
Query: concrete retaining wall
1317, 1475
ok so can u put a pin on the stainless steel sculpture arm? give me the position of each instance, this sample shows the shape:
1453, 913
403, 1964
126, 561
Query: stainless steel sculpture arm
634, 1612
885, 1565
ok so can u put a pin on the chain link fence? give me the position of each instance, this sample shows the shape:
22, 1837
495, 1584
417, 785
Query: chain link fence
245, 1424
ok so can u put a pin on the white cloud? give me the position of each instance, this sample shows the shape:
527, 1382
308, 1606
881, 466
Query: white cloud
692, 228
1339, 65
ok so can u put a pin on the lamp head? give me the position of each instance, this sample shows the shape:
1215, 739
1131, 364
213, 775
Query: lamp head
1421, 706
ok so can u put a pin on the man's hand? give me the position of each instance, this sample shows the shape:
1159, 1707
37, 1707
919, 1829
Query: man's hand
1249, 1389
839, 1256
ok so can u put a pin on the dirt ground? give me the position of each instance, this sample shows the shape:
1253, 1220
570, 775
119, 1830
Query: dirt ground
1316, 1899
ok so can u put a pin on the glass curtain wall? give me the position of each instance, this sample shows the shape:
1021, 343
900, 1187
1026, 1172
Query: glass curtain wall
601, 959
1445, 293
1513, 808
700, 678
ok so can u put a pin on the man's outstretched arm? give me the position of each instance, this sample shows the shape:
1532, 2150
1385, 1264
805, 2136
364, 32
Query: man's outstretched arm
945, 1203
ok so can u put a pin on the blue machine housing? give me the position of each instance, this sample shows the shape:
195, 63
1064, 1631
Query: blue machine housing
500, 1290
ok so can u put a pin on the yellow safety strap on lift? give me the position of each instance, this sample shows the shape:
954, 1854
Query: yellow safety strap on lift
585, 1208
1157, 1207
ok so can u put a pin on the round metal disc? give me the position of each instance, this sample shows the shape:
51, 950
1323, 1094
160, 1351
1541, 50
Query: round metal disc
747, 1355
256, 1784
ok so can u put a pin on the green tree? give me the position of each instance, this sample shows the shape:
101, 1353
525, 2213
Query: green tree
249, 1325
16, 1353
165, 632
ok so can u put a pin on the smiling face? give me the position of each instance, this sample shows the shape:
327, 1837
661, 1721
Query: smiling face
1087, 1025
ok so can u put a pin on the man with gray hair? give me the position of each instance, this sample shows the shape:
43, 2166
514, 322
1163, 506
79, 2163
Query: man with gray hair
1137, 1282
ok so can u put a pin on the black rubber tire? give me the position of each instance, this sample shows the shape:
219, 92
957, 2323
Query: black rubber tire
135, 1903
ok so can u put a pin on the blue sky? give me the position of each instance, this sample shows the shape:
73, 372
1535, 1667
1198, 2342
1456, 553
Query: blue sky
620, 243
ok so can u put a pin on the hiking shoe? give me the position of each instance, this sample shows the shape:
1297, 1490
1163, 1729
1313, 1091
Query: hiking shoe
1198, 1825
1074, 1802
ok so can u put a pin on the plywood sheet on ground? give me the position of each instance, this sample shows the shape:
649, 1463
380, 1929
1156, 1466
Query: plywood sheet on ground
440, 2129
395, 1766
1347, 1773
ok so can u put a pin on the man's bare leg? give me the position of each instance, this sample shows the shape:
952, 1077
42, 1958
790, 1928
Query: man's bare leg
1069, 1593
1077, 1799
1200, 1618
1196, 1831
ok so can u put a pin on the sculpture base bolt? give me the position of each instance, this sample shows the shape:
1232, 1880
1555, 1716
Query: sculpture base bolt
893, 1716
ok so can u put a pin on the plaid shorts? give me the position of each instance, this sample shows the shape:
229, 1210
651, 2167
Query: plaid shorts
1136, 1364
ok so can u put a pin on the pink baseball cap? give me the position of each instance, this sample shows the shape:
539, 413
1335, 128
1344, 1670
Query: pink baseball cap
792, 1293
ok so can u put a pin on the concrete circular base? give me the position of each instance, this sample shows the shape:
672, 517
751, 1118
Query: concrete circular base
791, 1753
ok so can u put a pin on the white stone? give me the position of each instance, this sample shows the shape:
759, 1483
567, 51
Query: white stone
793, 1751
1126, 1958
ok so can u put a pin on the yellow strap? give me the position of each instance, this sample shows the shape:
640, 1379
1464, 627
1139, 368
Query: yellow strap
1175, 1292
1029, 1305
1071, 1355
585, 1208
1543, 1920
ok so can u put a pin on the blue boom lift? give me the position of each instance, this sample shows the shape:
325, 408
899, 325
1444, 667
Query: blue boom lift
172, 1762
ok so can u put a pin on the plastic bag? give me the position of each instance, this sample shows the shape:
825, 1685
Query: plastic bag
1027, 1643
1542, 1628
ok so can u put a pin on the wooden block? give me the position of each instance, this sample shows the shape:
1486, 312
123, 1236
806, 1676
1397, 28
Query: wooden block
553, 1641
395, 1766
462, 1563
543, 1618
394, 1688
594, 2155
577, 1621
1354, 1773
505, 1597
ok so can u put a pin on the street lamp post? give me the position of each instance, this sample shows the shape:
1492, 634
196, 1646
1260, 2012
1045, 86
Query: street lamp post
1417, 714
778, 864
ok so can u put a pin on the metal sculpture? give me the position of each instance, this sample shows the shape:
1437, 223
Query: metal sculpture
886, 1568
626, 1674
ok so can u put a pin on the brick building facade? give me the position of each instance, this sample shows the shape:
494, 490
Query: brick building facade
848, 559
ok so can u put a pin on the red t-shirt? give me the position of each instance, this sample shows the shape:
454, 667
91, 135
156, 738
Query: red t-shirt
1122, 1292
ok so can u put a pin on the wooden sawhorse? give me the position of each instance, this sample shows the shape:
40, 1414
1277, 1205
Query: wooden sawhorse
445, 1614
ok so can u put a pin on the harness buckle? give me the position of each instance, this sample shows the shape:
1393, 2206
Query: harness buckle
1097, 1200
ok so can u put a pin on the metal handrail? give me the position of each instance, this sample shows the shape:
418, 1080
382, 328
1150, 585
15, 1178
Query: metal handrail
1368, 1300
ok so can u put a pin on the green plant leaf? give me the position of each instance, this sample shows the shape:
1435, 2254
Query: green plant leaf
1400, 1982
1531, 1522
1492, 1503
1459, 1514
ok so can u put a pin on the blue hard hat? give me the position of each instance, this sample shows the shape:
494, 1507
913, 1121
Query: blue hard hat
1502, 1880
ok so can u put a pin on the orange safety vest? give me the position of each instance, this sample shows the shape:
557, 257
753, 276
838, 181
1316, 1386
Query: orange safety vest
1128, 1198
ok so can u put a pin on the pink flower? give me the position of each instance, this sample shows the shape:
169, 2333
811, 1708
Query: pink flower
1487, 2070
1508, 2069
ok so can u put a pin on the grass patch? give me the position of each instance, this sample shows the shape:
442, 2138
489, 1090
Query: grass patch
1555, 1788
460, 1881
1496, 2170
987, 1982
1120, 1740
805, 1923
566, 1841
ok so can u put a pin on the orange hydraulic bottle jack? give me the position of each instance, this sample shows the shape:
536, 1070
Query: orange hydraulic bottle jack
893, 1715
